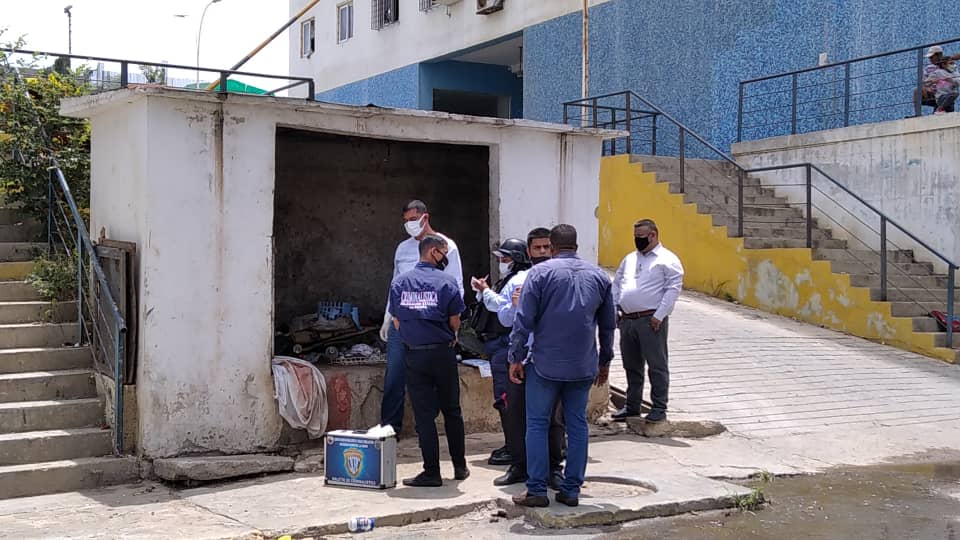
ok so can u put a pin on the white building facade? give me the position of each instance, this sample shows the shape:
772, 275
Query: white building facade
248, 209
463, 56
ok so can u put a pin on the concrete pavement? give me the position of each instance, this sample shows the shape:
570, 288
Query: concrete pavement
763, 375
796, 399
625, 482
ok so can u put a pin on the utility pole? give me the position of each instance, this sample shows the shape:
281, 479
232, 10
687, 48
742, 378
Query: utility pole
585, 83
69, 28
199, 32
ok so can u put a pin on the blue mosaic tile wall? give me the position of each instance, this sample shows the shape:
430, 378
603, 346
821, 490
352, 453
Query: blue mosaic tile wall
411, 87
398, 88
470, 77
687, 56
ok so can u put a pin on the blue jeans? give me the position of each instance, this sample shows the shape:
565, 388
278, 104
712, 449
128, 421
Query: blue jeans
542, 395
391, 408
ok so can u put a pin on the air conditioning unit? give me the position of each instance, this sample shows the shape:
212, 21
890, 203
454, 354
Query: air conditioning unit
486, 7
447, 2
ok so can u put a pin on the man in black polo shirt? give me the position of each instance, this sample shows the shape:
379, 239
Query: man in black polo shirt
426, 305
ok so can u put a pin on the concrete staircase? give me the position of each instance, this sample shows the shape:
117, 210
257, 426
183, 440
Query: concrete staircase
914, 289
52, 433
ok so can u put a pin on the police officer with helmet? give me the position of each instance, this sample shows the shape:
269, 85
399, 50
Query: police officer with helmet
425, 305
514, 263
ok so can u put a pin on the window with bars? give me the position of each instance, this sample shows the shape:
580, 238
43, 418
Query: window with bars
384, 13
427, 5
344, 21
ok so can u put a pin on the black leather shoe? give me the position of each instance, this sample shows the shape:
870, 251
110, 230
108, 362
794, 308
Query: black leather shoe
514, 475
623, 414
556, 479
532, 501
656, 416
500, 456
569, 501
423, 480
461, 473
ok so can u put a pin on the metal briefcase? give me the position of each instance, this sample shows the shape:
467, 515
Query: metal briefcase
353, 458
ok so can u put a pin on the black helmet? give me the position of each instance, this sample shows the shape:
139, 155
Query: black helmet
514, 248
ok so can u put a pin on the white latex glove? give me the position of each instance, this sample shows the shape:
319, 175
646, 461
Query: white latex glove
385, 329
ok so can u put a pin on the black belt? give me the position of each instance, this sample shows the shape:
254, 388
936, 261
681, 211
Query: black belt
431, 347
638, 314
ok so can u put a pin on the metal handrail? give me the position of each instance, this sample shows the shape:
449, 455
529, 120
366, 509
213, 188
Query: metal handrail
843, 110
83, 241
629, 96
224, 74
119, 323
850, 61
859, 199
660, 112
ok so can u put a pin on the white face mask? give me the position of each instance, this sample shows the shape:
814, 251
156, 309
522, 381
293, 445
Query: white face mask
414, 228
504, 268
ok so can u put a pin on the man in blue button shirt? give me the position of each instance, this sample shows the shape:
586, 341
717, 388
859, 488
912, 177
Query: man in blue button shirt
425, 304
563, 303
538, 249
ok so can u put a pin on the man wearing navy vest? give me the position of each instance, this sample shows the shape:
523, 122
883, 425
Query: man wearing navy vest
425, 305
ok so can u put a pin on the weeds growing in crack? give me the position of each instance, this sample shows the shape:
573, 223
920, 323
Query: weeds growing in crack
756, 499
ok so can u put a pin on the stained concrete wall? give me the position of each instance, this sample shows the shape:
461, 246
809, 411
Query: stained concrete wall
354, 394
908, 169
338, 208
783, 281
123, 201
197, 193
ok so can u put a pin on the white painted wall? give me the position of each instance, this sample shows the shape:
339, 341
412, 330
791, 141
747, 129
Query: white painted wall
418, 36
200, 206
908, 169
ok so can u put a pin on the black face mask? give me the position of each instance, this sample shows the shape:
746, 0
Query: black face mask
443, 262
641, 243
538, 260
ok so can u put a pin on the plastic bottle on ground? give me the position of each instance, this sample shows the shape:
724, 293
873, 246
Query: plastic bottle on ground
360, 524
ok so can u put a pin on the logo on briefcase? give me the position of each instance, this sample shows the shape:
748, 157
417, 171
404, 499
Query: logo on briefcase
353, 461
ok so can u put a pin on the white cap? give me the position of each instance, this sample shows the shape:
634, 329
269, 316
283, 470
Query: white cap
934, 50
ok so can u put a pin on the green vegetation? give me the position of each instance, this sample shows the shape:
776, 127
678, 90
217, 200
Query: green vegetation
55, 277
25, 154
756, 499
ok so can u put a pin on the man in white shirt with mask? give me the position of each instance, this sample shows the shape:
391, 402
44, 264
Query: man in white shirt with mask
416, 221
645, 291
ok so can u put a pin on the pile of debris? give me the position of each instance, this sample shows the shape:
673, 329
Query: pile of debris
332, 335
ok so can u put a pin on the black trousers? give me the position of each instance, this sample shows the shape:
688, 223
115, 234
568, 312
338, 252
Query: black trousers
642, 348
516, 426
433, 384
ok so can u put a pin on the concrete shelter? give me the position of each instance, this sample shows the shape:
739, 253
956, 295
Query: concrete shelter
249, 209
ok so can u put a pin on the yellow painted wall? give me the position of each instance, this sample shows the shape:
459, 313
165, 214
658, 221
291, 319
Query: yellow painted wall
783, 281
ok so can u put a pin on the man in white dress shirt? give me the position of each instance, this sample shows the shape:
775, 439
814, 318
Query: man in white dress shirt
416, 221
645, 290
